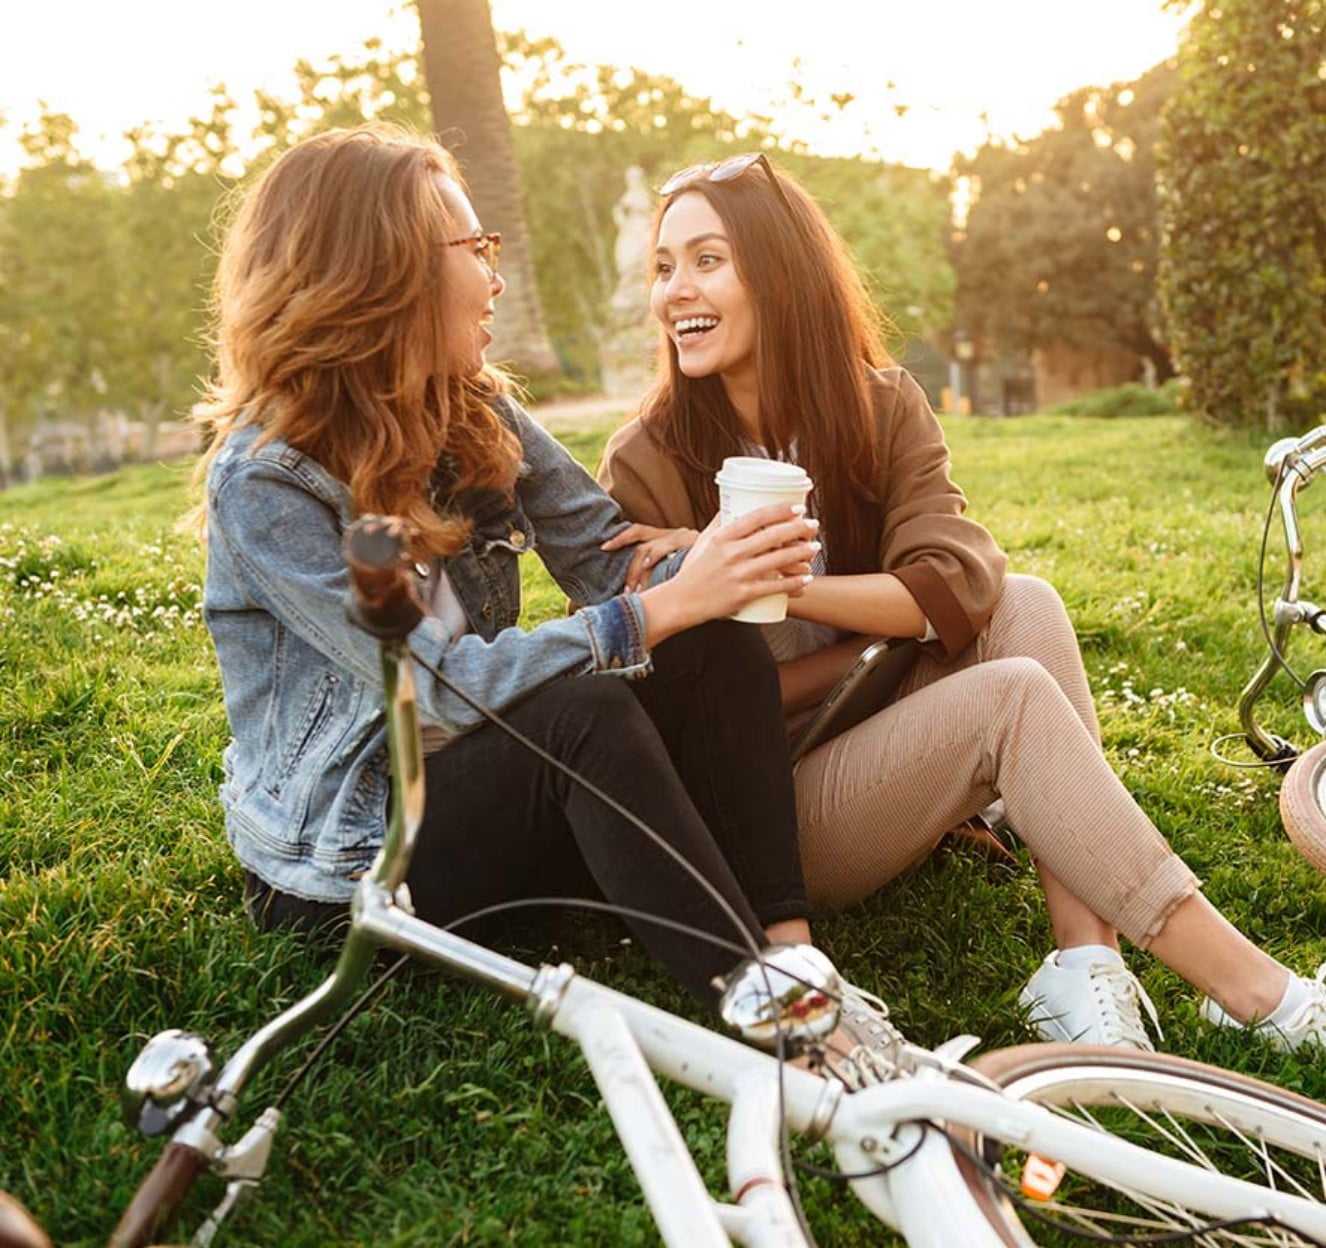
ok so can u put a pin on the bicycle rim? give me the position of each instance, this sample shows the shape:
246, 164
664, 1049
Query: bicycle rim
1222, 1121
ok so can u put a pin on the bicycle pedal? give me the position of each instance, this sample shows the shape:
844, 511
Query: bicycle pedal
1041, 1177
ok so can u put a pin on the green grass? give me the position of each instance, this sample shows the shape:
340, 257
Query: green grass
445, 1118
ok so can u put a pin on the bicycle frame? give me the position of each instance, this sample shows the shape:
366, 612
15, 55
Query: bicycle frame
1291, 464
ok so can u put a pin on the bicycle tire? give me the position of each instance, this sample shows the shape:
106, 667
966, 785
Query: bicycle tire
1301, 805
1095, 1077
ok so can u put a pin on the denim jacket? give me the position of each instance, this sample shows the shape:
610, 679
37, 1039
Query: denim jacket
305, 787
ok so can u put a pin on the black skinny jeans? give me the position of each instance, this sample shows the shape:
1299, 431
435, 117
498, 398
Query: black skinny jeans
697, 750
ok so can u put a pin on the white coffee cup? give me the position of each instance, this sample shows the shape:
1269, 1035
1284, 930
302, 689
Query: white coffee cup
748, 482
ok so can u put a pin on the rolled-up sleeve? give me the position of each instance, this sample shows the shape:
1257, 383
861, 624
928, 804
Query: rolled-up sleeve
286, 549
949, 564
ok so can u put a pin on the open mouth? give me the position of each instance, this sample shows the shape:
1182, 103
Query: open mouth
693, 328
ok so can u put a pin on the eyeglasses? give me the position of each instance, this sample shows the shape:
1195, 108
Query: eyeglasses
488, 247
725, 171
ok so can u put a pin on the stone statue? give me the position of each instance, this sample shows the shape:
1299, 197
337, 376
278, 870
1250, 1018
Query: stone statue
633, 215
630, 342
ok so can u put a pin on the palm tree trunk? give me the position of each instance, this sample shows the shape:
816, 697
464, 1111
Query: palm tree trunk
462, 70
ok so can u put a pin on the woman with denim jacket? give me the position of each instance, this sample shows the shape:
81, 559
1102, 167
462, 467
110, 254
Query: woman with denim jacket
770, 347
353, 296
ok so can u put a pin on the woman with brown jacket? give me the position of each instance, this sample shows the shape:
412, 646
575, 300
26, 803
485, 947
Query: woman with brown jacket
771, 350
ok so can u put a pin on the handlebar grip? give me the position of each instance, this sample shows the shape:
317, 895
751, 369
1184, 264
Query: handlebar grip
384, 601
158, 1196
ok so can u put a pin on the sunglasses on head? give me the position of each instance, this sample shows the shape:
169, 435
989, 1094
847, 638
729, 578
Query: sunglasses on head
488, 247
724, 171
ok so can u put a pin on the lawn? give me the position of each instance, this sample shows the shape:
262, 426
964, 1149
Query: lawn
444, 1117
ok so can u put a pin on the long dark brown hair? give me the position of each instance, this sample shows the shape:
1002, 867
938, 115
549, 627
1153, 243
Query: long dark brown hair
329, 330
816, 336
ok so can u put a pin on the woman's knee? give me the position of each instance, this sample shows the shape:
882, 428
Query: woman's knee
583, 708
1031, 593
1020, 679
1030, 618
726, 647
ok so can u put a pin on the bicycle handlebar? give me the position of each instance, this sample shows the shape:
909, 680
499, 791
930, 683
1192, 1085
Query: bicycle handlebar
159, 1196
385, 603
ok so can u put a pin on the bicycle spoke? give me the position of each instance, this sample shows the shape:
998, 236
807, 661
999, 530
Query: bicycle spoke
1197, 1154
1156, 1214
1272, 1166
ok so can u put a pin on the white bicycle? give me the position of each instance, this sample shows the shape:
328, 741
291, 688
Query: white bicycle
1039, 1144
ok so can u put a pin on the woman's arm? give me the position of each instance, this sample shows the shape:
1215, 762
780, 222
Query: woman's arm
284, 545
937, 568
876, 603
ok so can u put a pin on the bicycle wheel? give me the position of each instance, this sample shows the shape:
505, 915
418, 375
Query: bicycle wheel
1222, 1121
1303, 805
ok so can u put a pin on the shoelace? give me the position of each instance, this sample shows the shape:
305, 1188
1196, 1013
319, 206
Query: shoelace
1123, 991
866, 1064
1311, 1016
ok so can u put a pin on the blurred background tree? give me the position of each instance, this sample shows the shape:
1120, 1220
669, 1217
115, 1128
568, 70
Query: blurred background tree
60, 285
1061, 239
1243, 269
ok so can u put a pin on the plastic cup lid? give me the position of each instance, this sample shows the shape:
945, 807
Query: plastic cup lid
753, 473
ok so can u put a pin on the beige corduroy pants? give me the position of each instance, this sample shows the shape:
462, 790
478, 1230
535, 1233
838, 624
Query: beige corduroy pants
1009, 717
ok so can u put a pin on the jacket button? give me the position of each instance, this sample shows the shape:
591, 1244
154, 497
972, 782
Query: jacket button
517, 539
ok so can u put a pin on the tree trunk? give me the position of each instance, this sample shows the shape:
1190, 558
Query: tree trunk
462, 70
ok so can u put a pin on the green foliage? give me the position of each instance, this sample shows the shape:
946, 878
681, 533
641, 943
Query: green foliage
1243, 271
111, 312
1060, 243
1117, 402
61, 284
443, 1116
578, 128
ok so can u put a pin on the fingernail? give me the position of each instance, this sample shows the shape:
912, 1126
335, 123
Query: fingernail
814, 524
798, 509
806, 580
817, 545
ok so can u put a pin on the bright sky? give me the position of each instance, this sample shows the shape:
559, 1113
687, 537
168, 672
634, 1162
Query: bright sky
115, 66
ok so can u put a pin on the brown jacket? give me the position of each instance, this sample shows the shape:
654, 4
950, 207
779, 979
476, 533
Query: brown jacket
949, 564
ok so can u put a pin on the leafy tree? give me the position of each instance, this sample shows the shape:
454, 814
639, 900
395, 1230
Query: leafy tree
1060, 243
1243, 272
375, 83
60, 278
165, 260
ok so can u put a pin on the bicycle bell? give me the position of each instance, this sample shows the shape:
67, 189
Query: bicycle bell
1314, 701
167, 1078
804, 1006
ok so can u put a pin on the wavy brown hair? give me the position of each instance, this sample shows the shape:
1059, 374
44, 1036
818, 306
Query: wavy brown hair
817, 334
328, 330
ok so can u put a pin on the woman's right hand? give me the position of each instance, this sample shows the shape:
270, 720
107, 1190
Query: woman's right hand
766, 551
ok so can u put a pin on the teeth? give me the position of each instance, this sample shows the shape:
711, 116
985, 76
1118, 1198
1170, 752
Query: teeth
692, 323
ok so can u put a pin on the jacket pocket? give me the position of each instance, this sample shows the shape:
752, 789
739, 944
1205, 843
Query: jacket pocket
310, 725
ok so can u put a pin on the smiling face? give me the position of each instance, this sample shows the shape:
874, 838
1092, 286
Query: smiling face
469, 288
697, 296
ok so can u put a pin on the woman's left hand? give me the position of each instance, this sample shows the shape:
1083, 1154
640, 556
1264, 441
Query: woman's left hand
652, 545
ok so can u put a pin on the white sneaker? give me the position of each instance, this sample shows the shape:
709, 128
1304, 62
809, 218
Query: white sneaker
1305, 1025
874, 1053
1097, 1004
